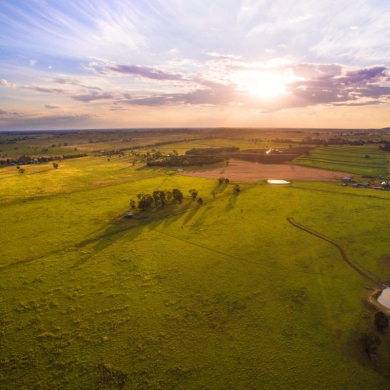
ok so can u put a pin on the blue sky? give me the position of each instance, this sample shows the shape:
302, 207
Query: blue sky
175, 63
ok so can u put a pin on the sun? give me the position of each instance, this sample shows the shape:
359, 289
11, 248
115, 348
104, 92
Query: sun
268, 86
263, 85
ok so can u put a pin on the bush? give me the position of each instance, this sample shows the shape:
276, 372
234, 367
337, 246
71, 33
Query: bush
381, 321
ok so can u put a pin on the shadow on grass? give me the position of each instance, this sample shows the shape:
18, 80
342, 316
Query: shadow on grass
120, 228
191, 214
232, 202
219, 188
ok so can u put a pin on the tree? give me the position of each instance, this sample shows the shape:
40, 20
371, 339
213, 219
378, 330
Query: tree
156, 197
200, 201
237, 188
132, 203
227, 181
55, 165
145, 201
221, 180
177, 195
366, 156
162, 198
381, 321
370, 342
22, 170
194, 193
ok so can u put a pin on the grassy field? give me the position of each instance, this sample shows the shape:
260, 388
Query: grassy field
349, 159
223, 295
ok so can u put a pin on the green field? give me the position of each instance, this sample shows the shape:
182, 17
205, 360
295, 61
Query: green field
351, 159
227, 295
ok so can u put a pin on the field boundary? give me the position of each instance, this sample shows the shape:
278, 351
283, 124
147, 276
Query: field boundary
358, 268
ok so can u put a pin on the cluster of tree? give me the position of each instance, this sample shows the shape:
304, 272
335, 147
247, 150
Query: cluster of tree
25, 160
66, 156
222, 180
207, 151
157, 198
386, 146
177, 161
160, 198
371, 341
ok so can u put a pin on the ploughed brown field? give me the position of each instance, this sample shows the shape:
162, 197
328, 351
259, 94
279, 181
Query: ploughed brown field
245, 171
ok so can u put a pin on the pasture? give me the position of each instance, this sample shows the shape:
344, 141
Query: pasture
360, 160
223, 295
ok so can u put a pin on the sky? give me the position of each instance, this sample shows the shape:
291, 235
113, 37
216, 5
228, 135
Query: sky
194, 63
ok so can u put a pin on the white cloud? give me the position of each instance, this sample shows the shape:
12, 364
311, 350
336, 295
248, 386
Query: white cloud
32, 62
7, 84
300, 19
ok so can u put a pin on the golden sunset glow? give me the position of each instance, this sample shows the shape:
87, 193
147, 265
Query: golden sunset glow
263, 85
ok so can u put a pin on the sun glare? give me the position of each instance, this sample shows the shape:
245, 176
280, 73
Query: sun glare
263, 85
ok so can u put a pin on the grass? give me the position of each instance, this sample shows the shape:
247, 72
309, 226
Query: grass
226, 295
349, 159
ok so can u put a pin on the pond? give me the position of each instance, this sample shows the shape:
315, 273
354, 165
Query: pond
384, 298
278, 182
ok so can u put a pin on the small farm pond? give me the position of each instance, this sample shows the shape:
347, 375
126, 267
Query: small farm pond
384, 298
278, 182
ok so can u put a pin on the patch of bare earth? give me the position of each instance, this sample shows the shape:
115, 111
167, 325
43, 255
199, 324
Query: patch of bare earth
245, 171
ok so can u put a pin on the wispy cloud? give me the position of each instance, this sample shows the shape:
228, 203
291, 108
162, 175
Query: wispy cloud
166, 53
7, 84
86, 98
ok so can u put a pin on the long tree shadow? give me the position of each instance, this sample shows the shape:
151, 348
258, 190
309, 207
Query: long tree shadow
232, 202
104, 238
219, 188
191, 214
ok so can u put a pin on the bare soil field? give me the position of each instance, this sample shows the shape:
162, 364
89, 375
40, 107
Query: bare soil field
245, 171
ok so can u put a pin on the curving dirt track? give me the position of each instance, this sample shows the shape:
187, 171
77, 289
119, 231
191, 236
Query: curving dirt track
358, 268
245, 171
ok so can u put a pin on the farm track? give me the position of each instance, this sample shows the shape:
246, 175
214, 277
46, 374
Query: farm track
358, 268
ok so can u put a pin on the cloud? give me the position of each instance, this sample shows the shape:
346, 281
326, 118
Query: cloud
7, 84
333, 85
219, 95
50, 122
58, 91
223, 56
369, 103
145, 72
52, 106
2, 112
32, 62
364, 75
300, 19
69, 81
86, 98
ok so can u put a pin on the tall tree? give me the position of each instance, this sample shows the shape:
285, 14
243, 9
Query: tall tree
177, 195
